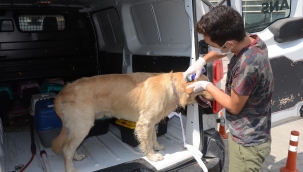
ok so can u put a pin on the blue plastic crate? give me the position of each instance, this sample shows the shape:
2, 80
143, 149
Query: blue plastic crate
45, 116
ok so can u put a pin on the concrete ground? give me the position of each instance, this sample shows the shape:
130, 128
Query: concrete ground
280, 141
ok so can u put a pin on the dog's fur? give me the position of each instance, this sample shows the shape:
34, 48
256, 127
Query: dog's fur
145, 98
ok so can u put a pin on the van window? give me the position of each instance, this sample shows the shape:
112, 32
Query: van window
258, 15
41, 22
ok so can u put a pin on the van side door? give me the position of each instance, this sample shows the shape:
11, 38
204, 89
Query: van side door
279, 23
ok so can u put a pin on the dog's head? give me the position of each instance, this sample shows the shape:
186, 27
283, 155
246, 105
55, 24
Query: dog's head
203, 98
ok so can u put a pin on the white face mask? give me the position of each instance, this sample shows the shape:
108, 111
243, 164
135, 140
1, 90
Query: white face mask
228, 54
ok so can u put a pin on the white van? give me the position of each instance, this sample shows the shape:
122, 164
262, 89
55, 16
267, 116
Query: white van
42, 39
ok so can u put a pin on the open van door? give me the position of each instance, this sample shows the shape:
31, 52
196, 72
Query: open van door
279, 23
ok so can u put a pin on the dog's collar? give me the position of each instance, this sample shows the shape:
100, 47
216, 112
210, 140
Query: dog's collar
177, 98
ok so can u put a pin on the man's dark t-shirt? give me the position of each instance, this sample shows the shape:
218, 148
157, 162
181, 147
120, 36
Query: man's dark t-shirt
250, 74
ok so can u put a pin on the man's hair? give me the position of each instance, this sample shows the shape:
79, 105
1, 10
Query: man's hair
221, 24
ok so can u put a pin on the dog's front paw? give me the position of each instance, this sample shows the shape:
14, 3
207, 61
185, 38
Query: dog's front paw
155, 157
79, 157
75, 170
71, 170
159, 147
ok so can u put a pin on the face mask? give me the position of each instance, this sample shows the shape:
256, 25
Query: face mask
228, 54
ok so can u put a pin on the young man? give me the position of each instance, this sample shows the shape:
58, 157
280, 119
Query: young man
249, 86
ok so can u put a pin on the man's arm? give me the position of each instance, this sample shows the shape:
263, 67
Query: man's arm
212, 56
234, 103
198, 65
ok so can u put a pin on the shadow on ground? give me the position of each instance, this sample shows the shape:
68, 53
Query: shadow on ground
271, 165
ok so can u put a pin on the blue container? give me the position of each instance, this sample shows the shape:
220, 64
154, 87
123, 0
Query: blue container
47, 123
45, 116
192, 77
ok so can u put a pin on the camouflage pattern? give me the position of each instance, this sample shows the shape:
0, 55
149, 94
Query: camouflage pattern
250, 74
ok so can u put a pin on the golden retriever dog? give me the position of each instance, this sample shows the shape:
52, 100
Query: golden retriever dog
145, 98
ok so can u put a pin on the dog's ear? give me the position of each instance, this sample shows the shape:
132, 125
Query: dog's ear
188, 91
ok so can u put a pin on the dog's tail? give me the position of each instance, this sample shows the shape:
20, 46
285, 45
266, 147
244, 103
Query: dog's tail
59, 142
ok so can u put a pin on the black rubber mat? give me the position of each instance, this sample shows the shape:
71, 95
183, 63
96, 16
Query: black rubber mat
138, 165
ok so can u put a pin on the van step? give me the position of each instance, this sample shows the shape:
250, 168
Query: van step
138, 165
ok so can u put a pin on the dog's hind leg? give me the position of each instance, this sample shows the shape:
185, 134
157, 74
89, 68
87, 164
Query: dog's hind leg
156, 144
78, 131
144, 131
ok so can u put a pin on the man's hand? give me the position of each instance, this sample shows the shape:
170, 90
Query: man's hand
198, 86
196, 68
